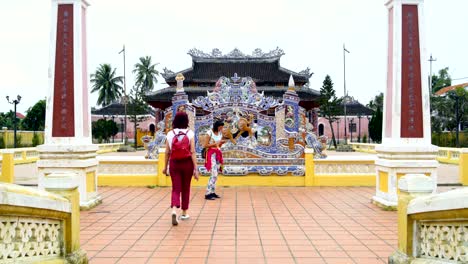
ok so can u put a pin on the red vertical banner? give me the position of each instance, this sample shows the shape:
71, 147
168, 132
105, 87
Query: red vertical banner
411, 91
63, 124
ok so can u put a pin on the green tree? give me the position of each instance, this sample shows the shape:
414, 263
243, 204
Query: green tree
7, 119
376, 103
107, 84
441, 80
329, 104
145, 74
442, 110
375, 126
35, 117
376, 122
103, 130
460, 98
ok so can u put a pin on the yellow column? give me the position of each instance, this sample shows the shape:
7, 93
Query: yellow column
410, 186
309, 167
64, 185
161, 166
405, 228
463, 167
8, 166
23, 156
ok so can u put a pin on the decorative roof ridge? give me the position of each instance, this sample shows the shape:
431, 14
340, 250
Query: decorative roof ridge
235, 54
169, 74
305, 73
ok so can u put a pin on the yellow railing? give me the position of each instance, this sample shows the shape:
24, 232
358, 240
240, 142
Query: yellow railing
11, 157
40, 226
431, 227
364, 147
25, 155
449, 155
109, 147
445, 155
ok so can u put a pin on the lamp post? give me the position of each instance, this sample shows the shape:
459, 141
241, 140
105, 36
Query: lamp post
121, 129
14, 102
338, 129
368, 132
344, 84
125, 98
113, 122
431, 59
359, 116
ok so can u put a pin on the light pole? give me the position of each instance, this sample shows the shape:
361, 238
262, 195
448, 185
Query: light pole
368, 132
359, 135
14, 102
345, 93
113, 122
125, 98
121, 129
338, 129
430, 75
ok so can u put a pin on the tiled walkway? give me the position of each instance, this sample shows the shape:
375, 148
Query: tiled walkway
248, 225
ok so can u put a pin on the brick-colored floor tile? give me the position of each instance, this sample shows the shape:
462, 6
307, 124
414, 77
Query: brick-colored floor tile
132, 261
138, 254
306, 254
339, 261
161, 261
103, 260
165, 254
251, 261
221, 261
249, 225
333, 254
193, 254
361, 254
279, 260
369, 261
110, 254
310, 261
191, 261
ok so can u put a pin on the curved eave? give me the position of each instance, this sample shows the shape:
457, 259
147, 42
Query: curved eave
166, 94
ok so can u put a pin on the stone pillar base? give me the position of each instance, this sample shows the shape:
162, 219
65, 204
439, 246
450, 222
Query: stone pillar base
394, 162
77, 160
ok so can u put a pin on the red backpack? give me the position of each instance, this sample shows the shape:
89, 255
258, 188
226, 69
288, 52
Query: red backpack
180, 148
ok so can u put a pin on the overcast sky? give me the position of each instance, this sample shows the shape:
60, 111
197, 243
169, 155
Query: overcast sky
311, 32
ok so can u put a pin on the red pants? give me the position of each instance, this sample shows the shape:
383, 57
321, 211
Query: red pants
181, 172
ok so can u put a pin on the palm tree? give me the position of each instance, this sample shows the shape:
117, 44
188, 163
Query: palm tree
107, 84
146, 74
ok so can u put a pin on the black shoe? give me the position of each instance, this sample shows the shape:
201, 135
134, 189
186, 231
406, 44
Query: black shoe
209, 196
216, 196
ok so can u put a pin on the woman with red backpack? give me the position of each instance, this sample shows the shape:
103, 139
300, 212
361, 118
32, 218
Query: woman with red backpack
182, 161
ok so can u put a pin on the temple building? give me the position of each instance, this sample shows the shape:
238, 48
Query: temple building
264, 68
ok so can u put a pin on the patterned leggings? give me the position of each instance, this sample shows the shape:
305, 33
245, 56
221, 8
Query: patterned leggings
214, 175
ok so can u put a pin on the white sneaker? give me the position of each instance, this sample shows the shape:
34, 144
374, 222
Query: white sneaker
184, 217
174, 219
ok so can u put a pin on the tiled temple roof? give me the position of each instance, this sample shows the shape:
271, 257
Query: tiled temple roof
264, 68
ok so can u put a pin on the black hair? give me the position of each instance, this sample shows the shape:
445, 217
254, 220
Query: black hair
217, 124
180, 121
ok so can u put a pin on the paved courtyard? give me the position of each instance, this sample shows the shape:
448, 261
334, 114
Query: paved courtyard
248, 225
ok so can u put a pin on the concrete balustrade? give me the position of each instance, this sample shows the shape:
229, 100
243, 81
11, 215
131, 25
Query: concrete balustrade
432, 228
364, 147
11, 157
109, 147
40, 226
445, 155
